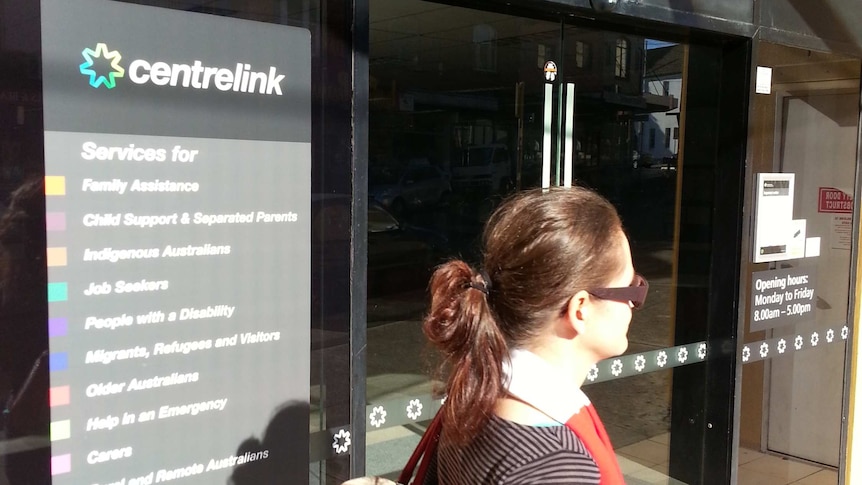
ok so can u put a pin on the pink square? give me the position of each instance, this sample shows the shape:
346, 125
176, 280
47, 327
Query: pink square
61, 464
59, 396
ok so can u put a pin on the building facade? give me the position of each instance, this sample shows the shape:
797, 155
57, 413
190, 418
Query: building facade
218, 220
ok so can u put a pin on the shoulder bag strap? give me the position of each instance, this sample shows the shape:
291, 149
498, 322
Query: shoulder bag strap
590, 430
424, 451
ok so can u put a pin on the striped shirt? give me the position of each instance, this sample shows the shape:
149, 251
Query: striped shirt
506, 453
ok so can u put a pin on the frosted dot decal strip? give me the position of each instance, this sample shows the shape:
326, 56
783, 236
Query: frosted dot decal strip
797, 342
415, 411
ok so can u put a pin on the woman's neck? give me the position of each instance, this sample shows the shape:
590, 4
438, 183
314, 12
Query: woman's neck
570, 365
534, 382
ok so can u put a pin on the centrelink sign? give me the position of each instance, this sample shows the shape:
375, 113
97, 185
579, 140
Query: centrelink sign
196, 75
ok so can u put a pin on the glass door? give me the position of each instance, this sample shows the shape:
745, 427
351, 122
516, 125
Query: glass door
461, 115
467, 106
793, 361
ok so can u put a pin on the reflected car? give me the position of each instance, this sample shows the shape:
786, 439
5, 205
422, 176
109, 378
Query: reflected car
401, 257
401, 190
485, 167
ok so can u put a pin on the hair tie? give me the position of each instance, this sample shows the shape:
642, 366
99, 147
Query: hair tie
484, 286
485, 279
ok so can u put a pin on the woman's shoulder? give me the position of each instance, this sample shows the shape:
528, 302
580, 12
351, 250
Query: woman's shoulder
508, 452
531, 439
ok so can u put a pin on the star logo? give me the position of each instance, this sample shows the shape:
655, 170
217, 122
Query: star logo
101, 51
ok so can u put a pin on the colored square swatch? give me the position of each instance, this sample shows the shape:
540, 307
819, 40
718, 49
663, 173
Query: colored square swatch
57, 327
61, 430
55, 185
61, 464
55, 221
58, 361
57, 257
58, 292
59, 396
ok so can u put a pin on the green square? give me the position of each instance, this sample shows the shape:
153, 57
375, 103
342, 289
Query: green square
58, 292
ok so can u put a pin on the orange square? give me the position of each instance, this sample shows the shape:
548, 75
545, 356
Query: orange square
57, 257
55, 185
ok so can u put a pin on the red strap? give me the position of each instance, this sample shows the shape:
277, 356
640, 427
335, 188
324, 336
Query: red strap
590, 430
424, 450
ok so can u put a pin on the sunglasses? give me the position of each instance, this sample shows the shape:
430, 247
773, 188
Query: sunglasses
635, 293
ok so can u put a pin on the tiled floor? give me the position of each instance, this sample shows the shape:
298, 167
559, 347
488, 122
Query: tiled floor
646, 463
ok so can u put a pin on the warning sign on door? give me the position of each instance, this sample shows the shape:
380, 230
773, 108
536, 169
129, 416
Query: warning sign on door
834, 201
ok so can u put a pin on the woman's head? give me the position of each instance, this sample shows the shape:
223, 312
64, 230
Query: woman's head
540, 250
542, 247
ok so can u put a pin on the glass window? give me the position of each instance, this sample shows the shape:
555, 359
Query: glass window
793, 352
621, 58
464, 125
485, 48
582, 54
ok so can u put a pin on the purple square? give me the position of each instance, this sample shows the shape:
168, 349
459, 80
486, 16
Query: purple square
61, 464
57, 327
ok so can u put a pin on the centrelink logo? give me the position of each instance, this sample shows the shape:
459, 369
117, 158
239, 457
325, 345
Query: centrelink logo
193, 76
101, 51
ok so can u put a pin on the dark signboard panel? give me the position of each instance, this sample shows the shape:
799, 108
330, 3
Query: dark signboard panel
731, 10
728, 16
178, 179
832, 25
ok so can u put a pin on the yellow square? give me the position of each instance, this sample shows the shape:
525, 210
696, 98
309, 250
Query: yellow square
61, 430
57, 257
55, 185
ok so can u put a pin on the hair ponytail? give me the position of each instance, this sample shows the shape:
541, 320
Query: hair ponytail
462, 326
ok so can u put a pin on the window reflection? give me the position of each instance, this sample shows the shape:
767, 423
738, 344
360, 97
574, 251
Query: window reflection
482, 137
621, 59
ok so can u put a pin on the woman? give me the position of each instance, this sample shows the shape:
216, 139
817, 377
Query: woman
553, 296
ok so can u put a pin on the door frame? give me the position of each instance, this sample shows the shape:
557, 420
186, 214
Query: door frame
704, 419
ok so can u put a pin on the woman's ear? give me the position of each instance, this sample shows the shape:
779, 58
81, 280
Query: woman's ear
578, 311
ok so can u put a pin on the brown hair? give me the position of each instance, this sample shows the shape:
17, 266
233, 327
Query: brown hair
539, 248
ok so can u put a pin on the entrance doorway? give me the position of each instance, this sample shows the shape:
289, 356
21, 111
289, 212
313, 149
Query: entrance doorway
467, 106
793, 371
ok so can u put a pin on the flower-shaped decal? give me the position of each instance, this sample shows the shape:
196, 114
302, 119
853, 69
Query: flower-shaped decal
341, 441
617, 367
377, 416
830, 335
815, 339
701, 351
640, 363
682, 355
746, 353
661, 359
782, 346
593, 374
797, 342
764, 350
845, 332
414, 409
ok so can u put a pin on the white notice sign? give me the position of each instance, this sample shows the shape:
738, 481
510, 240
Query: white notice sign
842, 231
763, 81
777, 236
